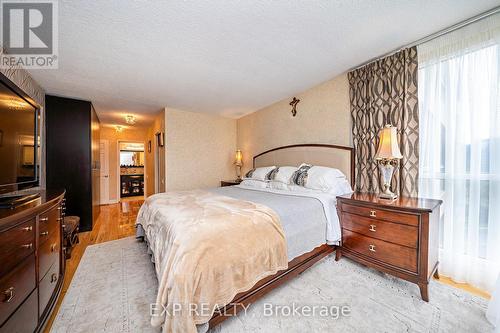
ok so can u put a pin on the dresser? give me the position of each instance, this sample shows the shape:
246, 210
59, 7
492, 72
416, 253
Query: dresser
31, 262
399, 237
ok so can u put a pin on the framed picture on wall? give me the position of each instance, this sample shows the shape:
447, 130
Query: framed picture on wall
159, 139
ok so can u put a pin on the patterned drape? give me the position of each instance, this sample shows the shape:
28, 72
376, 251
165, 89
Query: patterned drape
385, 92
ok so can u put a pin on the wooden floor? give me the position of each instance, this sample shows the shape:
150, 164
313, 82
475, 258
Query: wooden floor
117, 221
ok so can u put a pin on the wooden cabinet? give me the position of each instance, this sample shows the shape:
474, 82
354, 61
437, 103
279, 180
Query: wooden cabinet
72, 162
31, 262
131, 185
398, 237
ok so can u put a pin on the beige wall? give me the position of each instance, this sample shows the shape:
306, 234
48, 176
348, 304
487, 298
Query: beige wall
129, 134
158, 126
323, 116
200, 149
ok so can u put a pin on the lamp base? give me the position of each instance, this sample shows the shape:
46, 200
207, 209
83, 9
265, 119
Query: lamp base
388, 196
387, 169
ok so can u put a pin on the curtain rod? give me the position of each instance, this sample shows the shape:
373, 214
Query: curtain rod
432, 36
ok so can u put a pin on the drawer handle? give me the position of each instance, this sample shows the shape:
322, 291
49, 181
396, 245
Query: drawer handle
53, 278
30, 228
27, 246
371, 248
372, 227
9, 295
373, 213
44, 219
44, 233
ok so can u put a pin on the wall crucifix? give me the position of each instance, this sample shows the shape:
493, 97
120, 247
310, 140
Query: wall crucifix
294, 103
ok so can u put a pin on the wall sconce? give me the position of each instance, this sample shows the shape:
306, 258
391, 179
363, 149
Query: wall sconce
119, 128
294, 103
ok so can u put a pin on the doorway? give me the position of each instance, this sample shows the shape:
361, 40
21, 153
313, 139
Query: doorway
131, 185
104, 173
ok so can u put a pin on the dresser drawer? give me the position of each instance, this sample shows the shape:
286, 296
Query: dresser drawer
16, 286
25, 319
381, 214
392, 254
49, 253
397, 233
48, 224
16, 244
47, 286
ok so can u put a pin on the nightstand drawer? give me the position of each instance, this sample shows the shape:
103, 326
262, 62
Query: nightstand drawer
381, 214
397, 233
392, 254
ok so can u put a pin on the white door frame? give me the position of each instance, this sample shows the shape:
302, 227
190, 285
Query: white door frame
118, 180
104, 184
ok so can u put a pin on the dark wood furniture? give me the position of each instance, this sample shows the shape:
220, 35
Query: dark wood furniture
71, 225
131, 185
31, 262
230, 182
398, 237
72, 142
299, 264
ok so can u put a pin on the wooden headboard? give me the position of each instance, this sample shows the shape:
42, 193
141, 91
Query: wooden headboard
340, 157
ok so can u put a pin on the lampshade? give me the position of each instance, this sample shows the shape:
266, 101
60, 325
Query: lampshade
239, 158
388, 146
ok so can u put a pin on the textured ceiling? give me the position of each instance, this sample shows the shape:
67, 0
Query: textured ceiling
226, 57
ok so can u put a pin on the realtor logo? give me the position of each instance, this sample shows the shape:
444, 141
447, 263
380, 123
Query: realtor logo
29, 33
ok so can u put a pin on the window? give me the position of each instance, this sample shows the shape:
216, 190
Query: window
459, 109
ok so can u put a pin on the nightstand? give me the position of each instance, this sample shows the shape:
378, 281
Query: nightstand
229, 182
399, 237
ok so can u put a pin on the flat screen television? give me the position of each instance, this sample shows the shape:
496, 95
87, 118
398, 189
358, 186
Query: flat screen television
19, 139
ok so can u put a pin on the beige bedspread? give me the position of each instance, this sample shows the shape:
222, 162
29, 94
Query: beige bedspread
207, 248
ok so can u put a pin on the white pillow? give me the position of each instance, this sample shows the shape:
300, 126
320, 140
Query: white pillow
261, 173
275, 185
325, 179
254, 183
284, 174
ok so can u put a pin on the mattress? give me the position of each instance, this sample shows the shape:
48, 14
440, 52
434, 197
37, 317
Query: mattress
304, 217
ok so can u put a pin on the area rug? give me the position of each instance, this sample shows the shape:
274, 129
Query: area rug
115, 283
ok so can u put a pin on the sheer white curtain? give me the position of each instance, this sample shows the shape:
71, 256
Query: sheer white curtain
459, 105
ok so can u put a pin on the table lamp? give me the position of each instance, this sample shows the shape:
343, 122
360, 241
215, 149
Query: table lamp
388, 156
238, 162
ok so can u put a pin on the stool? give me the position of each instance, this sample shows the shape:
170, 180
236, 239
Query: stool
70, 231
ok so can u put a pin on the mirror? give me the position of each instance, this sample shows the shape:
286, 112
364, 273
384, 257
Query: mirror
131, 158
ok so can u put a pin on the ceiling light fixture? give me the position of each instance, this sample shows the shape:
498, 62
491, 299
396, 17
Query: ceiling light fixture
130, 119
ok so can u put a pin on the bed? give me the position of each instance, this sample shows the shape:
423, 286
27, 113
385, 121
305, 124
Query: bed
306, 243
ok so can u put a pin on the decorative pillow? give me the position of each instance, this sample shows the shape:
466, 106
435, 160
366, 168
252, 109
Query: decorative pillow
284, 174
249, 173
260, 173
299, 177
272, 173
255, 183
